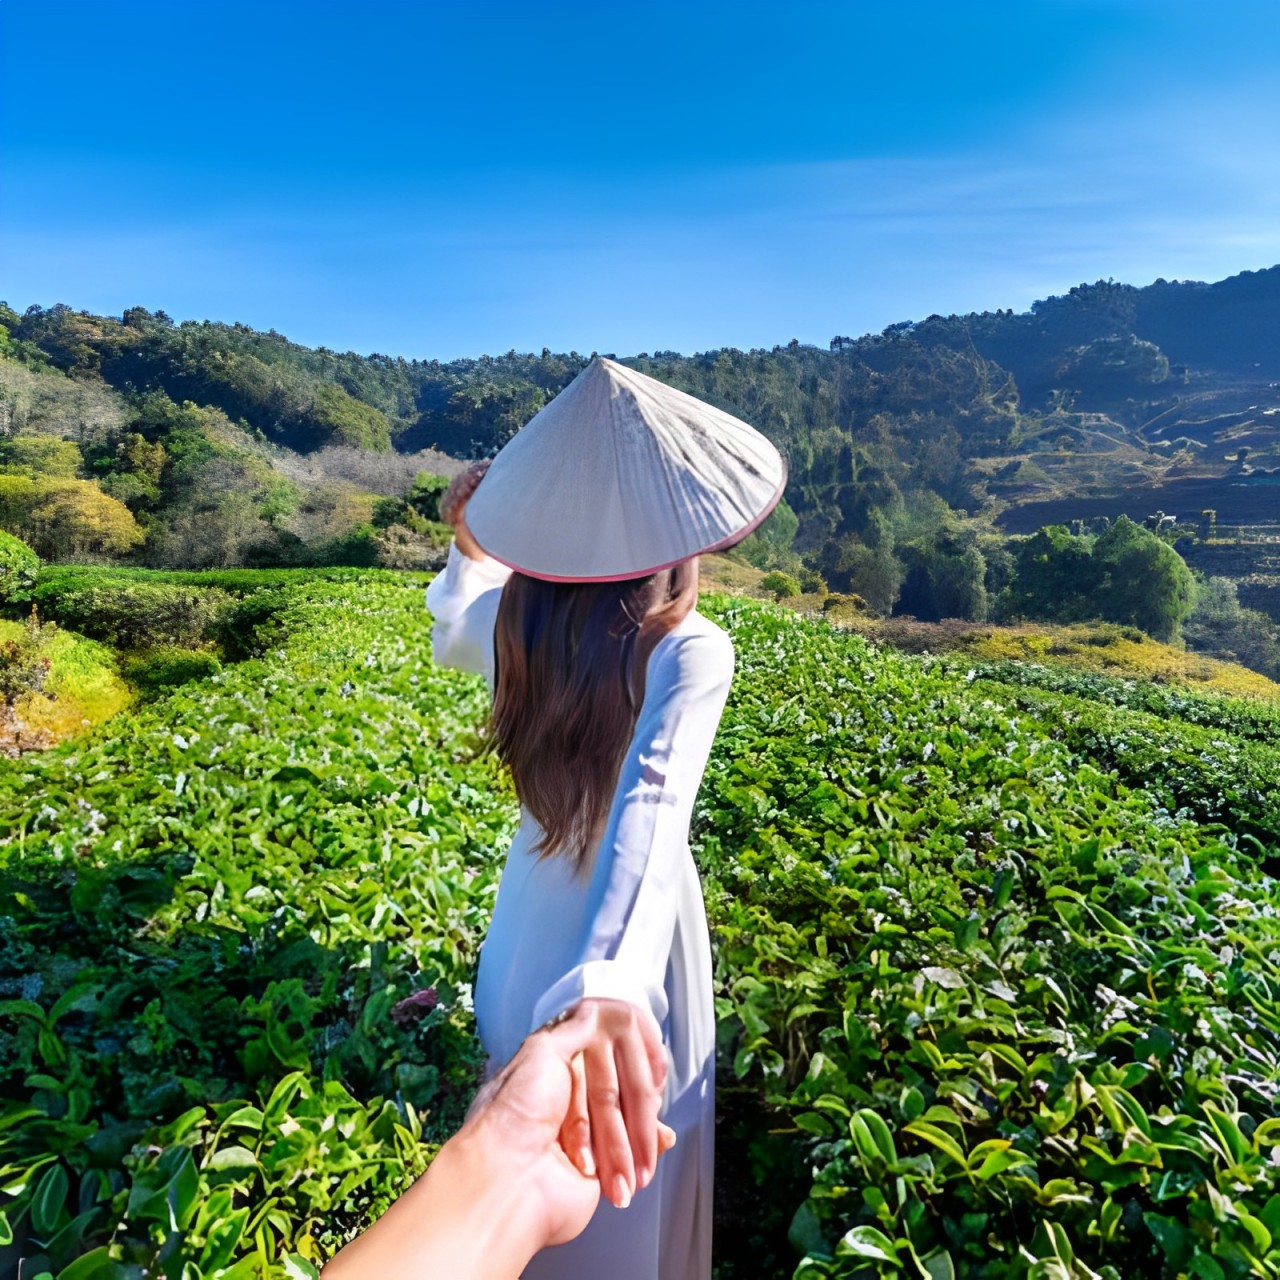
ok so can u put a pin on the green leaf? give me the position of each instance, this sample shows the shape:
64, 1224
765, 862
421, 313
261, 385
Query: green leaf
1237, 1146
1203, 1267
48, 1201
867, 1242
812, 1122
872, 1136
1256, 1228
238, 1160
1171, 1236
1270, 1215
939, 1138
97, 1264
805, 1233
997, 1156
938, 1266
949, 978
222, 1239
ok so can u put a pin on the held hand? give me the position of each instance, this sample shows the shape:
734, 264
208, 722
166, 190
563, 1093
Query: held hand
453, 504
502, 1188
611, 1128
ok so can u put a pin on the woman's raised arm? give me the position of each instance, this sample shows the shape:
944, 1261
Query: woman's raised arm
464, 596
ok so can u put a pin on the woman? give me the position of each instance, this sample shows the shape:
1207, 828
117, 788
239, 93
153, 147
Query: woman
571, 585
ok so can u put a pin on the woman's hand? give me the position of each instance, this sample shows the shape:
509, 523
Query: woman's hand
502, 1188
611, 1128
453, 505
554, 1088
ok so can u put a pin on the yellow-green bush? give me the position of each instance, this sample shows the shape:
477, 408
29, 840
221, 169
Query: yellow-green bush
82, 690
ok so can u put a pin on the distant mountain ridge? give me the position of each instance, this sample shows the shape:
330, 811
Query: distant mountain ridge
1108, 397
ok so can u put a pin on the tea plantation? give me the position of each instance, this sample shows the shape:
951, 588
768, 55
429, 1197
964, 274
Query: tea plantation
998, 957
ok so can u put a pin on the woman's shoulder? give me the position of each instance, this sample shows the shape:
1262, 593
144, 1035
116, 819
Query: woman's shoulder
697, 645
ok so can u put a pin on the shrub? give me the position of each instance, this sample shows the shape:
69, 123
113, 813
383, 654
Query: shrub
19, 566
781, 585
24, 662
813, 583
152, 671
136, 615
252, 625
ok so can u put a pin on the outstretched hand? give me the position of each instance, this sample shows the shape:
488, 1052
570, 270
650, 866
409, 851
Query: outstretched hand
453, 506
502, 1188
611, 1128
589, 1084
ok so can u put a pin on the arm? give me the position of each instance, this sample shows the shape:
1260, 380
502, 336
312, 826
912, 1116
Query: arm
635, 884
501, 1188
465, 595
463, 599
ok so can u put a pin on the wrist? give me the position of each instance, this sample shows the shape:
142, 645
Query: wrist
487, 1189
467, 544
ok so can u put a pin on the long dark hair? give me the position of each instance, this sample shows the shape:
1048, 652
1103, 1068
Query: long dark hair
570, 677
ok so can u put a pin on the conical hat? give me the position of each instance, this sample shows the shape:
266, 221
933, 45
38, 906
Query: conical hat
620, 476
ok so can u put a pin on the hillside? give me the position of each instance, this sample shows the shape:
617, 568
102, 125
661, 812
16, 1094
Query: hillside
1103, 389
914, 454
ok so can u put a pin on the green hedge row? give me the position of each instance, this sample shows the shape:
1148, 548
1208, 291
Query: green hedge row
985, 1010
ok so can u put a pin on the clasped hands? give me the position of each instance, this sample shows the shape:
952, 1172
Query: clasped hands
608, 1126
572, 1116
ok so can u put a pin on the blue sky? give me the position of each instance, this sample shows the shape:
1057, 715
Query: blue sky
436, 180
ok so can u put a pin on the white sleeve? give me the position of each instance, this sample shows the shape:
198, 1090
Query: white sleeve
463, 598
641, 865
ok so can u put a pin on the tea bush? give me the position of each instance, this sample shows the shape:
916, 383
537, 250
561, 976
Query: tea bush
58, 684
19, 566
984, 1008
151, 671
133, 615
1023, 1021
269, 883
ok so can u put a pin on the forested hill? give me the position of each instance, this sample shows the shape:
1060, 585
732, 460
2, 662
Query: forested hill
1167, 395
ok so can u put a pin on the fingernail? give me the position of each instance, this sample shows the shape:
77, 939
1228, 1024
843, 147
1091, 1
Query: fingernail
587, 1162
643, 1178
621, 1192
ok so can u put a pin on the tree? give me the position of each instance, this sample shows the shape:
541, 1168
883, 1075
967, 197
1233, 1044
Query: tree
1054, 577
39, 456
19, 566
342, 419
781, 585
220, 531
18, 494
874, 573
135, 453
769, 547
1220, 627
945, 577
1142, 580
424, 496
1125, 575
74, 518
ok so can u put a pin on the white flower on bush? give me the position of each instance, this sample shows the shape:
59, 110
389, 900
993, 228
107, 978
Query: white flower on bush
1194, 972
1204, 1058
1115, 1006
